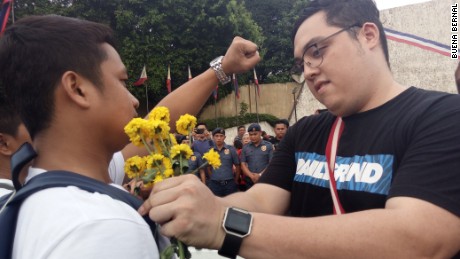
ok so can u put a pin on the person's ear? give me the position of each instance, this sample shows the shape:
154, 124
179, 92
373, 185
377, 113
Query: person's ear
370, 35
6, 145
77, 88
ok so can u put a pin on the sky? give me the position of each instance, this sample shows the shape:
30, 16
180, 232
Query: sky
386, 4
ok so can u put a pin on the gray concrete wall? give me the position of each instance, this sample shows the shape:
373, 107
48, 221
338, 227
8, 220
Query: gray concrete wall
275, 99
412, 65
415, 66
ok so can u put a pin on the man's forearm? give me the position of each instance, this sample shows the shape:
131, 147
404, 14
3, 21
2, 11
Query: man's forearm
245, 169
378, 233
237, 172
203, 176
190, 97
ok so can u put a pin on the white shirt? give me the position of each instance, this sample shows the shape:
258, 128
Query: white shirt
117, 168
116, 173
7, 182
67, 222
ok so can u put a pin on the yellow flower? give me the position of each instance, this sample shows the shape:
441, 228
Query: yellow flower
134, 166
134, 129
182, 150
157, 146
168, 173
213, 158
160, 113
167, 163
158, 178
154, 135
185, 124
159, 129
172, 138
150, 161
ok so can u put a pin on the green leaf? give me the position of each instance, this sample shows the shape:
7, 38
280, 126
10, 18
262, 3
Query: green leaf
149, 176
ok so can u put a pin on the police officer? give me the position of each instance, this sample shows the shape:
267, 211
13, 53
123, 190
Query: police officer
222, 181
255, 156
194, 162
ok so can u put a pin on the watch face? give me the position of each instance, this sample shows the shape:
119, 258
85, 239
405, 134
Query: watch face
214, 61
238, 222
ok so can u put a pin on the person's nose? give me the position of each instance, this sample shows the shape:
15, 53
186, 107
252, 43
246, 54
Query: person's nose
134, 101
310, 73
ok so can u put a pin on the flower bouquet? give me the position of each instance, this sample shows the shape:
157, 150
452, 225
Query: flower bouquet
166, 158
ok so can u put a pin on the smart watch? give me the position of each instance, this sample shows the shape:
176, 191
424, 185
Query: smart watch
237, 225
216, 65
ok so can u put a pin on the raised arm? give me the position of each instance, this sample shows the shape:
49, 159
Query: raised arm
241, 56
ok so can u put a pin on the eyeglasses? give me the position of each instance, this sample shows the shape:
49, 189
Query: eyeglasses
313, 56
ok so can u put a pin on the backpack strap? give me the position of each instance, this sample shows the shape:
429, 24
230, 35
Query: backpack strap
19, 159
8, 217
6, 186
10, 211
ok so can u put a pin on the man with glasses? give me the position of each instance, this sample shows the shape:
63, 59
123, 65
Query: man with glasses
386, 157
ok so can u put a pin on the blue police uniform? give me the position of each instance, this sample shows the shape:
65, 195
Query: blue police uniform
202, 146
256, 157
222, 181
194, 162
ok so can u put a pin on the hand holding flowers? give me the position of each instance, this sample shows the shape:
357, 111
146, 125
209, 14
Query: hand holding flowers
166, 158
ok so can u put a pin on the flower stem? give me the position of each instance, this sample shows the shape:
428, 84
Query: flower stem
165, 147
180, 164
146, 144
181, 250
190, 140
200, 167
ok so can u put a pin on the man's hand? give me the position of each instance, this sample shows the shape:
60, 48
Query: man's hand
241, 56
186, 209
254, 177
137, 188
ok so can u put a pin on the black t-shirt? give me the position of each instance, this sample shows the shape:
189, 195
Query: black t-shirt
274, 141
410, 146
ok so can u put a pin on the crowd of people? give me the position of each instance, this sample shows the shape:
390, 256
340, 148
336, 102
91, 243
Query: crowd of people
243, 162
374, 175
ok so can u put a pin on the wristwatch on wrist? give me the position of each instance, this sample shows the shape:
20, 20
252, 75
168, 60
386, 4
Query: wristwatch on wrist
216, 65
237, 225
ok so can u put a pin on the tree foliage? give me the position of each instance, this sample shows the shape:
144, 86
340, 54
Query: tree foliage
160, 32
276, 19
182, 33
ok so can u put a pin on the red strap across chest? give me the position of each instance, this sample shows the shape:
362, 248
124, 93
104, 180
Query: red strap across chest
331, 153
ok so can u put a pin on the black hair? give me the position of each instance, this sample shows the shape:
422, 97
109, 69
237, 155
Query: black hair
180, 138
282, 121
201, 123
37, 50
238, 144
9, 120
345, 13
241, 126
